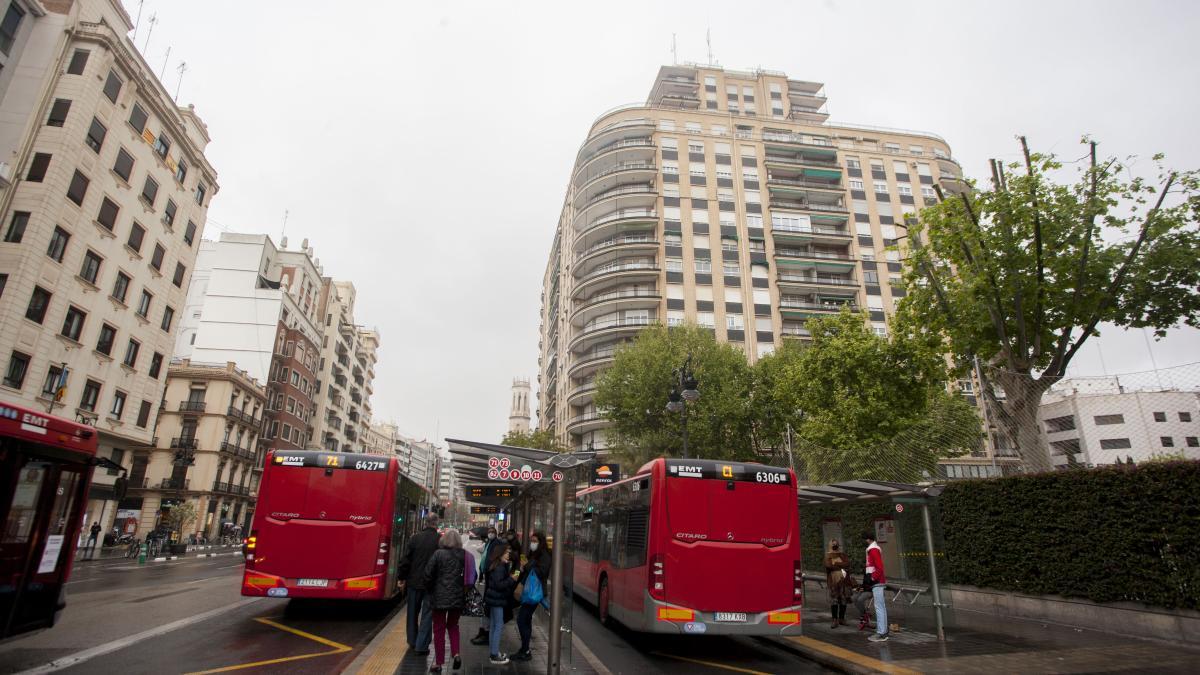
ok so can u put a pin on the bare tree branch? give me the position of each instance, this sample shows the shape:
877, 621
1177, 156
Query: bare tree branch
1039, 307
1006, 226
1081, 272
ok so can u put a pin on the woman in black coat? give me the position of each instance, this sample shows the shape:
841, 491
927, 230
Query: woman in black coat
450, 572
498, 596
538, 561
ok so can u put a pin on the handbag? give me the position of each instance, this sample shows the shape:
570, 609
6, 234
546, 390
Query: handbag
532, 593
474, 603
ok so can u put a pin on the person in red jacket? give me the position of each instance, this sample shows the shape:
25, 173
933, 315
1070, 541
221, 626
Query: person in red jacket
875, 580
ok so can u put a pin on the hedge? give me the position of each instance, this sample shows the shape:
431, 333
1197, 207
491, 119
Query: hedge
1107, 534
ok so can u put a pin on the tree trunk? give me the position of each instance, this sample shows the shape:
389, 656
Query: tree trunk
1018, 414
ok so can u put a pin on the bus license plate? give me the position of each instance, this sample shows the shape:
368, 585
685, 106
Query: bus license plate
731, 617
314, 583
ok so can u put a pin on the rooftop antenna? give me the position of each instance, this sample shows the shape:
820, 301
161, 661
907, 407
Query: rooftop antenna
152, 20
674, 53
283, 230
138, 21
708, 41
163, 72
182, 69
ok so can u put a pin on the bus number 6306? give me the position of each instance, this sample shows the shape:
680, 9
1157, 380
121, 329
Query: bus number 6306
769, 477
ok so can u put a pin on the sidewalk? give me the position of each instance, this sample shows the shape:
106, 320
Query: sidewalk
388, 652
116, 552
978, 643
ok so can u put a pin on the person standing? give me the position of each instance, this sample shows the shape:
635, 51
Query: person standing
537, 562
448, 575
497, 597
510, 536
412, 574
491, 544
838, 582
875, 580
93, 537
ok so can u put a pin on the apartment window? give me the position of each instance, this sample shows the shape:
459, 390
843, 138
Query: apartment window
78, 189
52, 382
881, 187
156, 260
1109, 419
856, 184
121, 287
168, 317
137, 118
118, 405
137, 234
131, 353
200, 192
917, 150
928, 192
9, 26
143, 417
149, 190
904, 189
16, 227
1167, 441
73, 323
156, 362
180, 270
38, 167
1115, 444
1185, 417
1160, 417
162, 145
58, 244
91, 394
169, 213
112, 86
1193, 442
853, 163
91, 267
705, 320
3, 283
734, 322
691, 127
181, 171
39, 301
96, 135
143, 309
703, 266
731, 269
189, 234
79, 61
108, 214
123, 167
670, 167
104, 342
58, 112
18, 367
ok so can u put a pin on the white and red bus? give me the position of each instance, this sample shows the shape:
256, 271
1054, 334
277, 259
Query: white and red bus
46, 465
693, 546
330, 525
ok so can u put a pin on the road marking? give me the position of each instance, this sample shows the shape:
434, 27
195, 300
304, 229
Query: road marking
853, 657
231, 566
337, 648
712, 664
109, 647
388, 651
596, 664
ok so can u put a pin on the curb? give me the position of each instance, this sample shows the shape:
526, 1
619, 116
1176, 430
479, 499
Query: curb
378, 641
825, 660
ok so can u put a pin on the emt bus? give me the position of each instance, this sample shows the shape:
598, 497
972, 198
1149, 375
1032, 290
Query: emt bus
330, 525
693, 546
46, 465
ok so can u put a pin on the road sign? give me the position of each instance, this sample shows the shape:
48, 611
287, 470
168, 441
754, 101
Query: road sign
557, 476
899, 508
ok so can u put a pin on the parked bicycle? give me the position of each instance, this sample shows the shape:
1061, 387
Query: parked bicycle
134, 549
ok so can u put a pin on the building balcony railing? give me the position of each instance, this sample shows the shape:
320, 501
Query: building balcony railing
183, 443
783, 203
796, 332
811, 229
613, 269
619, 145
819, 255
801, 182
175, 484
817, 279
797, 139
799, 160
589, 419
192, 406
620, 167
647, 190
630, 293
619, 241
622, 214
786, 303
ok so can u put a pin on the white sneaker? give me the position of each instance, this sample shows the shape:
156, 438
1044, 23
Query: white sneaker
498, 660
876, 637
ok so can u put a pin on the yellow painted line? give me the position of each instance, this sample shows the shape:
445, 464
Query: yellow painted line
711, 664
391, 650
337, 648
853, 657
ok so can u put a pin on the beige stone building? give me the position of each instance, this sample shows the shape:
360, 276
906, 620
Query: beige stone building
518, 413
205, 450
347, 372
104, 190
726, 200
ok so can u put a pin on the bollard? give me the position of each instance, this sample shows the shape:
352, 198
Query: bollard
142, 554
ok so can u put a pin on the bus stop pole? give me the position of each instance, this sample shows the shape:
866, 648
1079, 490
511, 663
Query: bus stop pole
934, 588
553, 660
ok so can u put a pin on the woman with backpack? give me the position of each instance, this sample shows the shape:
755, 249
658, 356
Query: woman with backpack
498, 597
448, 576
534, 575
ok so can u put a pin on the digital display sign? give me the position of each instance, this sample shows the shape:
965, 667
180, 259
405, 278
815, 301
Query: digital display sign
486, 510
489, 491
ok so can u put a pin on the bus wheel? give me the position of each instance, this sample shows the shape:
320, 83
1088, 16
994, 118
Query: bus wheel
602, 602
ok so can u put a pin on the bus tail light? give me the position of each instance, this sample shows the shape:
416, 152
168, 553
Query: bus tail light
657, 582
783, 617
797, 583
258, 580
675, 614
361, 584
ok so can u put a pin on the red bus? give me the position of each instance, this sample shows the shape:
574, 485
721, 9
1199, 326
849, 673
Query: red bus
693, 546
330, 525
46, 466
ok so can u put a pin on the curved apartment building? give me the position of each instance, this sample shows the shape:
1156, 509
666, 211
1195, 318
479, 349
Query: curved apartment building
726, 200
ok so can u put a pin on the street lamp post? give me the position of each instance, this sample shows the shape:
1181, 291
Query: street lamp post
685, 391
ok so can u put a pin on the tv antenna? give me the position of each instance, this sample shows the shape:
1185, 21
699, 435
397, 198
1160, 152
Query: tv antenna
708, 41
182, 69
163, 71
674, 52
152, 20
138, 21
283, 230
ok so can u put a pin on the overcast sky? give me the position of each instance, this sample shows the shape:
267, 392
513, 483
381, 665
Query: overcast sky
424, 148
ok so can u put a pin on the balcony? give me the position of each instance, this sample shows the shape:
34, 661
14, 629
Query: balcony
192, 406
623, 271
592, 361
610, 301
606, 177
588, 421
794, 331
219, 486
183, 443
837, 281
782, 181
612, 222
175, 484
636, 149
789, 233
778, 202
607, 330
351, 434
582, 394
808, 113
786, 252
792, 302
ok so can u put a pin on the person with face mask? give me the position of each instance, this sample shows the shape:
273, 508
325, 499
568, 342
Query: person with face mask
538, 561
838, 582
510, 536
491, 542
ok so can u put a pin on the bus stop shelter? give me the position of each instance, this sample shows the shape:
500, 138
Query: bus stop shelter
898, 495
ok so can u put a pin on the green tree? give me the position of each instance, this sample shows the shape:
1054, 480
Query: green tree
539, 439
865, 406
1022, 273
179, 516
633, 392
